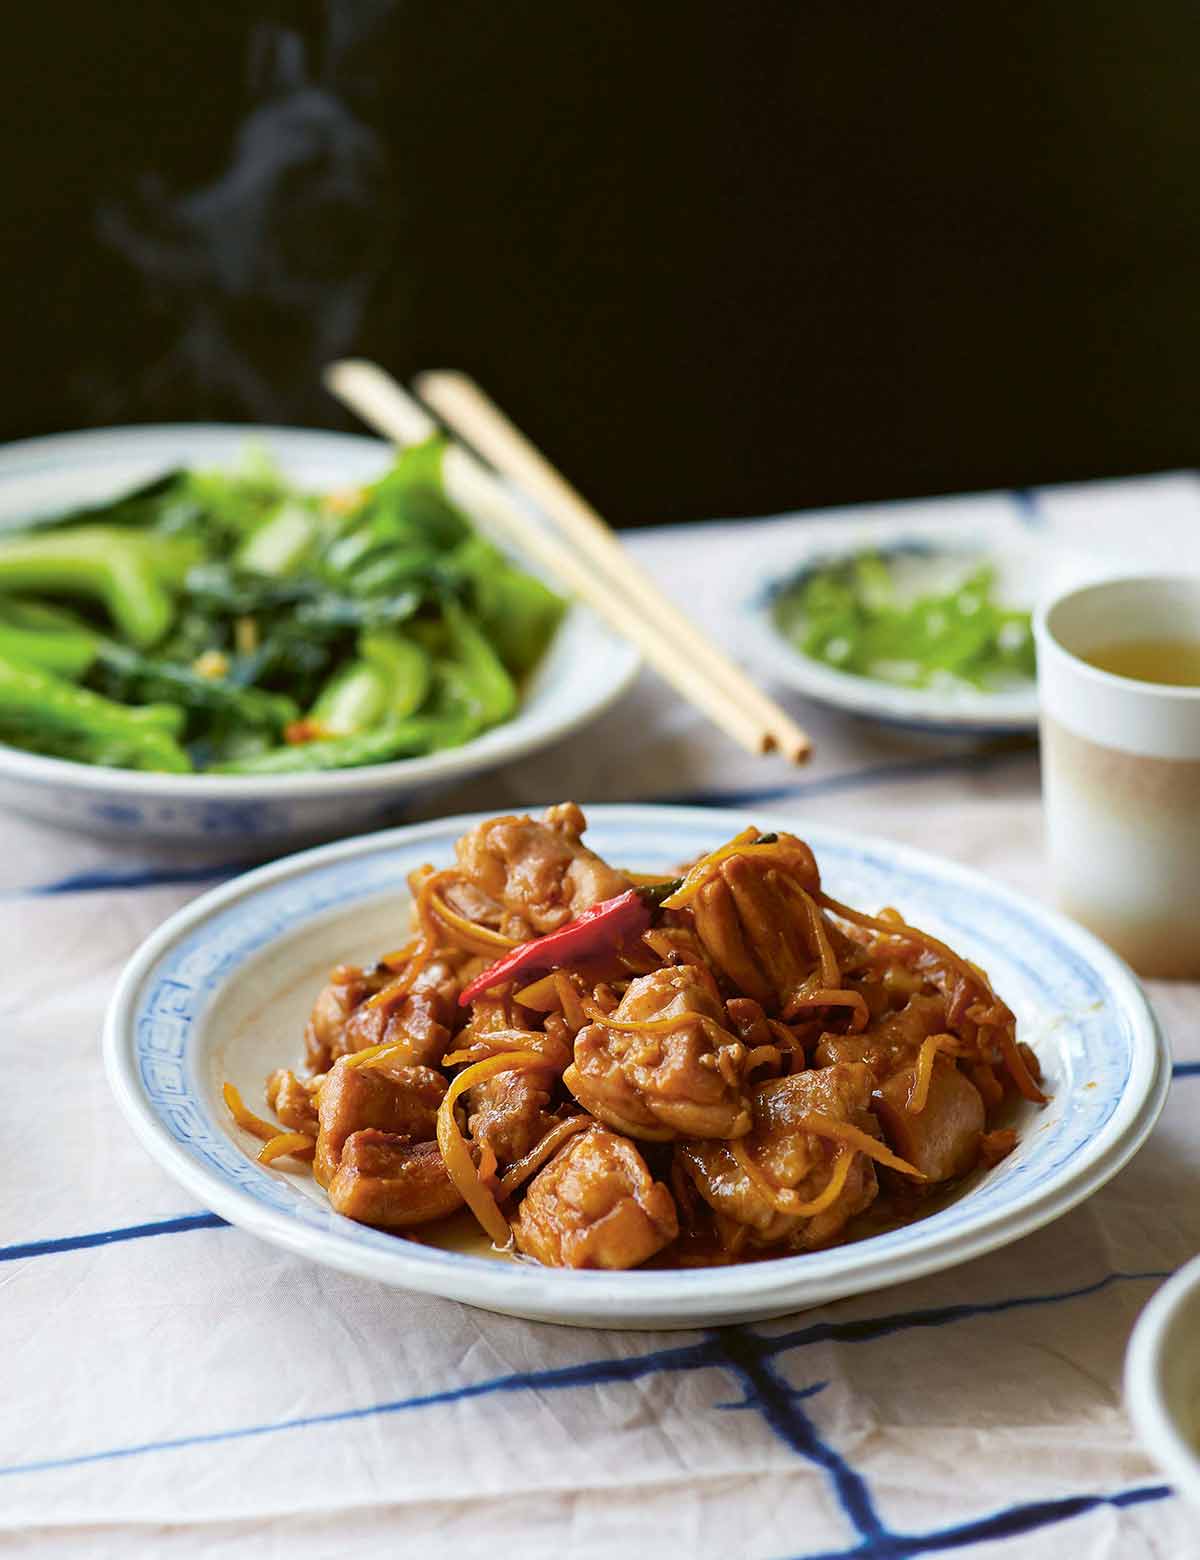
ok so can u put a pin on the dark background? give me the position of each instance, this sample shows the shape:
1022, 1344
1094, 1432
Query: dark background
716, 258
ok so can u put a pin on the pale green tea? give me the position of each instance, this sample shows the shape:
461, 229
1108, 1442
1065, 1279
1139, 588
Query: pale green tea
1175, 662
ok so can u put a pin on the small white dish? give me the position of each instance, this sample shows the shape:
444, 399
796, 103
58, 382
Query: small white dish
1162, 1380
1023, 571
585, 669
221, 991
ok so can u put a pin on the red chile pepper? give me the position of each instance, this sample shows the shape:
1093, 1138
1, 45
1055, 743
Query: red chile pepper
597, 931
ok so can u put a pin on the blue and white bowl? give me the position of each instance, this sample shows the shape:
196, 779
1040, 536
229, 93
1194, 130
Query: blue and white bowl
222, 990
585, 669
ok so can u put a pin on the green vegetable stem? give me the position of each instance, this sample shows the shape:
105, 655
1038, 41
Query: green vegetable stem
279, 544
148, 678
482, 671
43, 637
515, 610
389, 679
42, 711
391, 740
132, 574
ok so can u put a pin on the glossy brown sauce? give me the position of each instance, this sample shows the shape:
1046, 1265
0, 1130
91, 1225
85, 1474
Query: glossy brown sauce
894, 1208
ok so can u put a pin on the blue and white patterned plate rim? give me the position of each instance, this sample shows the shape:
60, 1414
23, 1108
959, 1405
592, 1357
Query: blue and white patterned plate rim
1105, 1028
95, 450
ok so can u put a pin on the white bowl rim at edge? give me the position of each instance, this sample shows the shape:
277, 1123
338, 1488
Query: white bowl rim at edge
662, 1296
1145, 1397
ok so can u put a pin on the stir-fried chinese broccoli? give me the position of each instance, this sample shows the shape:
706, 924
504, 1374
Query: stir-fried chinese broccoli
223, 621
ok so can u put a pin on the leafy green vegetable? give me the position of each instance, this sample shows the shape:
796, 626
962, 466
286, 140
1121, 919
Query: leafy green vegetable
380, 745
126, 674
54, 640
481, 672
234, 604
279, 543
47, 714
235, 502
852, 616
131, 575
515, 610
389, 680
401, 530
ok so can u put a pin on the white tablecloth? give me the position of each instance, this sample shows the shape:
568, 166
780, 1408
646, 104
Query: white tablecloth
170, 1386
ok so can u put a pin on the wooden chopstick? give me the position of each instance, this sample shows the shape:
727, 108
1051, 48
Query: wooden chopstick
386, 406
374, 396
465, 408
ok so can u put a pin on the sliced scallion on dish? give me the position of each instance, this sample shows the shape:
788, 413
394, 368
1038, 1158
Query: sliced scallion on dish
853, 615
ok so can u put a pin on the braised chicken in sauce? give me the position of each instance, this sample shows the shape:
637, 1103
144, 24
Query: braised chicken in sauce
609, 1071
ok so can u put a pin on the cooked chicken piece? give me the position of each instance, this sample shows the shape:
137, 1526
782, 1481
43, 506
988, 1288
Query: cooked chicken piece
995, 1146
595, 1205
754, 929
791, 1158
749, 1022
942, 1139
538, 874
385, 1178
685, 1081
348, 987
1029, 1057
675, 942
893, 1043
423, 1021
508, 1113
386, 1094
466, 897
752, 1028
292, 1102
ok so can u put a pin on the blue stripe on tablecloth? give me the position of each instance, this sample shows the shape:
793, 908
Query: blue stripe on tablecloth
715, 1350
43, 1248
749, 1357
1011, 1522
869, 1328
780, 1405
1186, 1070
106, 880
696, 1356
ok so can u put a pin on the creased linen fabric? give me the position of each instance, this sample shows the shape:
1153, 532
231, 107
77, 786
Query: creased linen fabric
174, 1387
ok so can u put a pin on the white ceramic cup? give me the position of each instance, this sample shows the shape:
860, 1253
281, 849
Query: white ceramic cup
1121, 772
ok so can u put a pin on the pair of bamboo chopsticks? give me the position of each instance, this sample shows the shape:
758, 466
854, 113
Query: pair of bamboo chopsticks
584, 555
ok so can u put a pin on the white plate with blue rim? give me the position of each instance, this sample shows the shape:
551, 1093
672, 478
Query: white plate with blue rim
221, 992
919, 564
583, 671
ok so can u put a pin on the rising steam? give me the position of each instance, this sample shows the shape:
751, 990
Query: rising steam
262, 276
